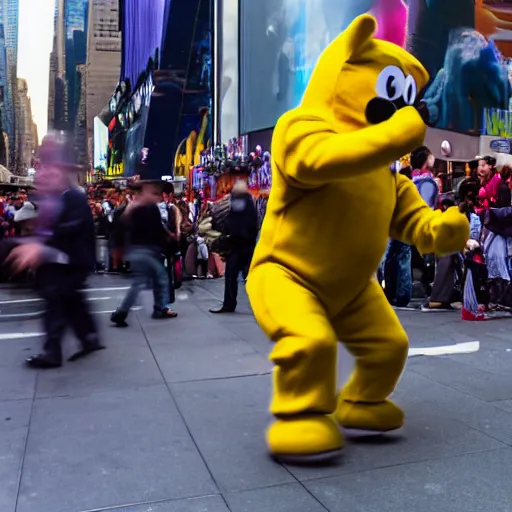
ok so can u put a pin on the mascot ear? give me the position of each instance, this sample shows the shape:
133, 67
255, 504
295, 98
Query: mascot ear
359, 33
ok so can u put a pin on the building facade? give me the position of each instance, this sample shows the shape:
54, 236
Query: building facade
9, 17
4, 118
76, 47
103, 60
57, 101
26, 144
80, 129
66, 67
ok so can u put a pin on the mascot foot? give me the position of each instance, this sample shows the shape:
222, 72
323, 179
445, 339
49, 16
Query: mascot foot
372, 417
304, 439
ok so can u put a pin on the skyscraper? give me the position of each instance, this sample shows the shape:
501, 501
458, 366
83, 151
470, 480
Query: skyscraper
9, 16
80, 132
57, 101
25, 129
66, 61
103, 59
76, 47
4, 119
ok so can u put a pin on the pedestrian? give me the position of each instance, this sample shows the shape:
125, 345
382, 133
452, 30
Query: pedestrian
148, 239
62, 255
171, 217
241, 229
397, 268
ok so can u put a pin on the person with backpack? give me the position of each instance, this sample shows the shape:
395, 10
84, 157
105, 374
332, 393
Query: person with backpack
422, 163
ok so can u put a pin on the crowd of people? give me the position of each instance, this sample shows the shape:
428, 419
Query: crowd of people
11, 214
160, 237
476, 281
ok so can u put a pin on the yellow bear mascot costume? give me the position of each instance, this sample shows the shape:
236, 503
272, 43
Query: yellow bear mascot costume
333, 206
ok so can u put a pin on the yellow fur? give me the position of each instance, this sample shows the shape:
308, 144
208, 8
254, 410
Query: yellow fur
333, 206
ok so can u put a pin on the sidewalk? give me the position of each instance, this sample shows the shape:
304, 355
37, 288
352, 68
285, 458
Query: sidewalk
171, 418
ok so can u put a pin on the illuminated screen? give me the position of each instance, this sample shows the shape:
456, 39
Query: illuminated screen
281, 41
100, 144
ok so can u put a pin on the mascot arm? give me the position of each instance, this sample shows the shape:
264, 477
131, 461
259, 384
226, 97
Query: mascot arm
415, 223
309, 152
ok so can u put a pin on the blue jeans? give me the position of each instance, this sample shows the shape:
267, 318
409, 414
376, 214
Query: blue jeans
147, 265
398, 273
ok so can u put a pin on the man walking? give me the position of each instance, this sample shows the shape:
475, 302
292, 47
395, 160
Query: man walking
148, 240
62, 254
241, 228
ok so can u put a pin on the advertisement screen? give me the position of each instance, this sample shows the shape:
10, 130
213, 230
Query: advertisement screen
461, 43
100, 144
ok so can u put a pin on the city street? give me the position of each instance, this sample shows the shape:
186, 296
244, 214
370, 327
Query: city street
171, 418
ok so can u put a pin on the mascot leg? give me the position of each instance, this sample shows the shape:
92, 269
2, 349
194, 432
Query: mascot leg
371, 332
305, 361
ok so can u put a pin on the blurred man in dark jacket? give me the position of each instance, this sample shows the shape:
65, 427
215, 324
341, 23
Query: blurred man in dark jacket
62, 254
241, 226
148, 240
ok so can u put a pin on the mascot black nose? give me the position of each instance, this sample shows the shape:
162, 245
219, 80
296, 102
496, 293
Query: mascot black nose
379, 110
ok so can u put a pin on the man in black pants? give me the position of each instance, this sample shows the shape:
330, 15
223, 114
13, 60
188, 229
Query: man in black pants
241, 226
62, 254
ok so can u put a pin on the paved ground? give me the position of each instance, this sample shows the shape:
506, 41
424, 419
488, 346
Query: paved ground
171, 419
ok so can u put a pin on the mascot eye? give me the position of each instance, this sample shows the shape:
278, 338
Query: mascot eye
410, 90
391, 83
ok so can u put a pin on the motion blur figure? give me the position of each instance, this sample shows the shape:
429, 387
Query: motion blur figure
148, 240
61, 254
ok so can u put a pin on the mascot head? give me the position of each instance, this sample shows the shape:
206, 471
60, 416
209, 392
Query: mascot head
361, 80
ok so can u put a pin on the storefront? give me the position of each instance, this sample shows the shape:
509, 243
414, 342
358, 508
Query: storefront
142, 24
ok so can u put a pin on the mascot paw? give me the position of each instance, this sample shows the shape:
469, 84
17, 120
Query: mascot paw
451, 232
379, 417
304, 439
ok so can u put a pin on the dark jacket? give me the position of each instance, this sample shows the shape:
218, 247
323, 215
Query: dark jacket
145, 228
117, 235
499, 221
73, 231
241, 223
504, 199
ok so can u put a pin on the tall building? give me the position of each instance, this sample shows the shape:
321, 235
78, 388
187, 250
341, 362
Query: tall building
68, 54
26, 144
80, 131
9, 17
76, 47
103, 59
4, 119
57, 100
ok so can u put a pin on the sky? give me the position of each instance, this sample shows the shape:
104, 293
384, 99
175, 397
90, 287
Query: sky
35, 40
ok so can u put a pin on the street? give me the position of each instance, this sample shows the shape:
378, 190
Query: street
171, 418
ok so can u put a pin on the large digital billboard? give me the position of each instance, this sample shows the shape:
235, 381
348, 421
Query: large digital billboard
460, 42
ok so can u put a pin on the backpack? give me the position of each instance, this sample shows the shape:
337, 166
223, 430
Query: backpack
428, 189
